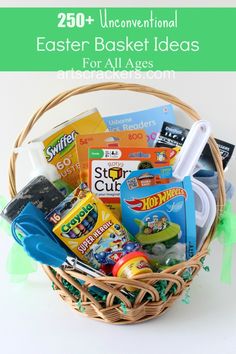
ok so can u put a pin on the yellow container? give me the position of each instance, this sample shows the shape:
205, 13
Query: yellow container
132, 264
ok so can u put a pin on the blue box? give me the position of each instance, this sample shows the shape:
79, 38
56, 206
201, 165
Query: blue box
150, 120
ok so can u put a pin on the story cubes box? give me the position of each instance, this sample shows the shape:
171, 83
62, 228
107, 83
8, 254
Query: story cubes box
108, 168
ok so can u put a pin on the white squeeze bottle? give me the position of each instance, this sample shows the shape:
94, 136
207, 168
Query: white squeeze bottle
42, 168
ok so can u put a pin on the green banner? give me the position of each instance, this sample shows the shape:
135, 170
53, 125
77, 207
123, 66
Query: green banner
181, 39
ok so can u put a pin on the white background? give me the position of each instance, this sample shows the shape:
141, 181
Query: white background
33, 319
119, 3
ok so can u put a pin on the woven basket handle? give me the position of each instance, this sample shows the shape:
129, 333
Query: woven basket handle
124, 87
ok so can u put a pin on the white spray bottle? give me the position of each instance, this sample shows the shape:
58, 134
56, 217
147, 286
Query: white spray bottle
42, 168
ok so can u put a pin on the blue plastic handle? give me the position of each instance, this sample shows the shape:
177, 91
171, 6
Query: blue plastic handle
44, 250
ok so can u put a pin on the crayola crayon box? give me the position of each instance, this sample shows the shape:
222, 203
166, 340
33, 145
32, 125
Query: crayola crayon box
134, 138
93, 233
160, 217
108, 168
67, 204
59, 143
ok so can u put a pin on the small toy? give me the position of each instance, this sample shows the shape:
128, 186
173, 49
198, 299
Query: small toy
134, 263
159, 228
100, 239
160, 214
108, 168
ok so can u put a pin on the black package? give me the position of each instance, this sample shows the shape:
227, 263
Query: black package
39, 192
173, 135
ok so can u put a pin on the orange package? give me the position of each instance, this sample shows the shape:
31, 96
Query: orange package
128, 138
108, 168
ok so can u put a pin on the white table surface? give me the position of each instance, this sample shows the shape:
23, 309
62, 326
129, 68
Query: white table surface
35, 320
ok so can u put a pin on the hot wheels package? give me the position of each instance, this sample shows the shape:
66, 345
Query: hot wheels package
160, 217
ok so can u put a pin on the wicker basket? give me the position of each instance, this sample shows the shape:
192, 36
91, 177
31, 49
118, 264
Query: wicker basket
157, 291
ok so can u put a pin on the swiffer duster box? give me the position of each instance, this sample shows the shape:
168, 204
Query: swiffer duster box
59, 143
